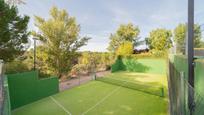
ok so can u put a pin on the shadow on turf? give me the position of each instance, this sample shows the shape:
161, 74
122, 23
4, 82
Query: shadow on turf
133, 65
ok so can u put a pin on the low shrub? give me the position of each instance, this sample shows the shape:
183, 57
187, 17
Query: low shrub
16, 66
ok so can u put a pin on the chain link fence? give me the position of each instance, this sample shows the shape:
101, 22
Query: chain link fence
4, 92
1, 87
180, 92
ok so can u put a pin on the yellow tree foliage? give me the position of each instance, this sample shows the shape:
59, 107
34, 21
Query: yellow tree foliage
125, 49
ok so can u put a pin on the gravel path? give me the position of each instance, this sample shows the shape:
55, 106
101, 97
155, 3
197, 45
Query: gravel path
76, 81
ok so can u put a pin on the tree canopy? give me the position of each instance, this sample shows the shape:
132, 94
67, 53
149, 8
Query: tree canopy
125, 48
127, 32
180, 36
13, 32
60, 35
159, 39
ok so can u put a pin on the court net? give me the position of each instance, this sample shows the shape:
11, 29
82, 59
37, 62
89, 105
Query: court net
150, 89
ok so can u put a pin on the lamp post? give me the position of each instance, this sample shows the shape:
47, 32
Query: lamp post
190, 55
34, 54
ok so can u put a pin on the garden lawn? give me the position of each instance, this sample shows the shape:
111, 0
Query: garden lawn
101, 98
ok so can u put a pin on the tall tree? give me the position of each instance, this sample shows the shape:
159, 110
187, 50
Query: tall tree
125, 48
180, 36
60, 35
160, 39
13, 32
127, 32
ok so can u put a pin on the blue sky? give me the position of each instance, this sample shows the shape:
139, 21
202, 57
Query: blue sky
99, 18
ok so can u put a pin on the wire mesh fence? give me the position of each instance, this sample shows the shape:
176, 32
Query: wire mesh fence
1, 87
181, 93
4, 92
80, 79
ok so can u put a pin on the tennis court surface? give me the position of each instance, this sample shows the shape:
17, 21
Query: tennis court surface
101, 97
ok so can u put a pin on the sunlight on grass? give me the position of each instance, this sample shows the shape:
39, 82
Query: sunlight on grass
141, 77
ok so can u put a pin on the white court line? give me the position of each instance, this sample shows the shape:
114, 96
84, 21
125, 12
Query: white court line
61, 106
102, 100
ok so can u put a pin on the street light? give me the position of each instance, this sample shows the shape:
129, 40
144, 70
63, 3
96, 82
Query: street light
34, 54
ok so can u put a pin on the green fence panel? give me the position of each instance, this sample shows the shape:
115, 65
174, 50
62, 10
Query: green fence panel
25, 88
50, 85
144, 65
199, 79
199, 85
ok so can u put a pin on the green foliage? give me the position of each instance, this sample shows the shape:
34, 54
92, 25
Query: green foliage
13, 32
125, 48
78, 69
93, 61
42, 61
160, 39
89, 61
16, 66
60, 36
180, 37
124, 33
128, 32
25, 63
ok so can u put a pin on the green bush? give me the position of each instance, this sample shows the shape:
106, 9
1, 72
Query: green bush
16, 67
94, 60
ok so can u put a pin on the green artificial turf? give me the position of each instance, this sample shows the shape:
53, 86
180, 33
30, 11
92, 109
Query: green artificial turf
100, 98
145, 78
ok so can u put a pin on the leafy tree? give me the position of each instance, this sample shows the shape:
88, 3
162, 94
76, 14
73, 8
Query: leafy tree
124, 33
128, 32
125, 49
148, 42
16, 66
42, 60
13, 32
180, 36
60, 36
202, 44
95, 60
89, 60
160, 39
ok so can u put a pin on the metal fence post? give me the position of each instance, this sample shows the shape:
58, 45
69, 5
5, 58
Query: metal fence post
1, 88
191, 53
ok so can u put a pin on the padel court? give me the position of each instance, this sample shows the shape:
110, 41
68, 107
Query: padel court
106, 97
